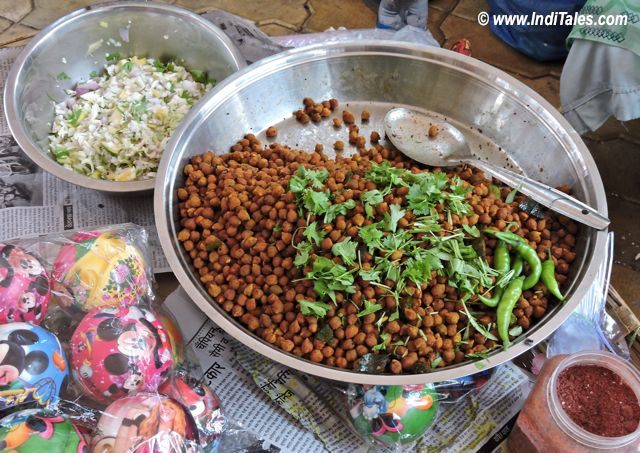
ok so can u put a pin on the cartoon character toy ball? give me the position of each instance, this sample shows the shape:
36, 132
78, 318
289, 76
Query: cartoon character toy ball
392, 415
101, 269
33, 366
175, 335
115, 351
24, 286
203, 405
36, 431
145, 423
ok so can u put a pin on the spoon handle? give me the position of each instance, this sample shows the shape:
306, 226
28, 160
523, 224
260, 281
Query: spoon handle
547, 196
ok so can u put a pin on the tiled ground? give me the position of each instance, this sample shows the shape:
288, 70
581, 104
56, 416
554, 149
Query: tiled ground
615, 147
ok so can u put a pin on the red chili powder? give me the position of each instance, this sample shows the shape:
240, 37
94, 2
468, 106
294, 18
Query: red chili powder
598, 400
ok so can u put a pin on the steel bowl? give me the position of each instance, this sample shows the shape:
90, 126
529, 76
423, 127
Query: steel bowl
500, 112
76, 45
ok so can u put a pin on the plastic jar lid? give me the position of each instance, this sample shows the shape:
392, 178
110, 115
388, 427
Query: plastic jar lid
597, 358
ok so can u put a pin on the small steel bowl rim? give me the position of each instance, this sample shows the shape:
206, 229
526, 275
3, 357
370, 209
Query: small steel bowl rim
33, 151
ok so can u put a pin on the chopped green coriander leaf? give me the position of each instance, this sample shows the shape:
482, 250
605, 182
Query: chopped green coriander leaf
472, 231
200, 76
369, 307
345, 250
391, 219
302, 257
476, 325
495, 190
318, 309
338, 209
384, 337
371, 275
277, 227
94, 74
456, 204
511, 196
371, 236
329, 277
316, 202
482, 355
427, 224
312, 233
297, 184
185, 94
371, 199
317, 178
386, 174
435, 362
127, 66
395, 315
515, 331
63, 76
159, 65
112, 56
426, 192
418, 269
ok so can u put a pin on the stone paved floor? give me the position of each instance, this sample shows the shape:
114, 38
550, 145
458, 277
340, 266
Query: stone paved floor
615, 147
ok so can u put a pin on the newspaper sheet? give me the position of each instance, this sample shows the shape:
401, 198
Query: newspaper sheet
294, 412
34, 202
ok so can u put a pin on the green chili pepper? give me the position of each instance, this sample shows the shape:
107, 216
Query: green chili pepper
493, 300
530, 255
506, 236
518, 266
548, 277
501, 263
527, 253
501, 258
508, 301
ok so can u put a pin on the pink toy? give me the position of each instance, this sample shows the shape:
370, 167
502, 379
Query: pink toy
203, 405
101, 269
115, 351
145, 423
24, 286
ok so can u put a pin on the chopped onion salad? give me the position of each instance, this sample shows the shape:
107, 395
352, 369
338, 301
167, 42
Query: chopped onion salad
116, 126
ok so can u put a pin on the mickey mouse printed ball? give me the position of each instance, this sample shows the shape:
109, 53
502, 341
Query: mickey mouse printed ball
24, 286
116, 351
33, 366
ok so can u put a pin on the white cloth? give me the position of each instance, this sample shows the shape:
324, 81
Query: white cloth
599, 80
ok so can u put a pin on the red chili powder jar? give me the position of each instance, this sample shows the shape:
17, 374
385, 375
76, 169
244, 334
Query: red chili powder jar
585, 402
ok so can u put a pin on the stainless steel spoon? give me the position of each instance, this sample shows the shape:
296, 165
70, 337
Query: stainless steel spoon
408, 130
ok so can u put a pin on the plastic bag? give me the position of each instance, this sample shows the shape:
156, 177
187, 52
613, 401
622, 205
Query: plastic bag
254, 44
87, 358
583, 330
395, 416
405, 34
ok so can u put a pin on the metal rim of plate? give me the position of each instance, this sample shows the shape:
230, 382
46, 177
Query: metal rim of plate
10, 92
165, 203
